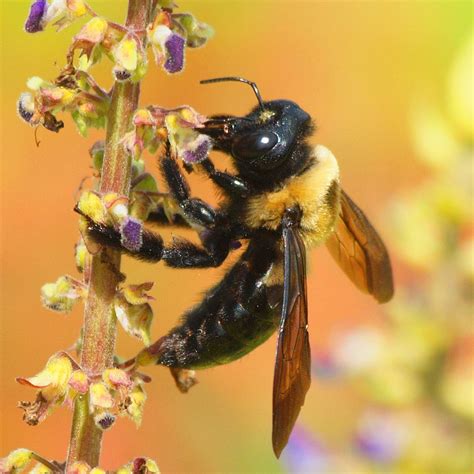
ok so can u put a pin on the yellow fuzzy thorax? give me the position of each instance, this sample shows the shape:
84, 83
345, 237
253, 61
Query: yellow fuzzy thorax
308, 191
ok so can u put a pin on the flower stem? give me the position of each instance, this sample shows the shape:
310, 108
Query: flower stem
50, 465
99, 330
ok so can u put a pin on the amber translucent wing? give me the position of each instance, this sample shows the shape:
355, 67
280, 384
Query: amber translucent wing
360, 252
293, 359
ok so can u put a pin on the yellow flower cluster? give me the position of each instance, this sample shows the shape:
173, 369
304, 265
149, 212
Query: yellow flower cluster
113, 393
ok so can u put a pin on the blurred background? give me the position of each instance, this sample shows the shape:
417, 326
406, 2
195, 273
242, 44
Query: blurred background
389, 85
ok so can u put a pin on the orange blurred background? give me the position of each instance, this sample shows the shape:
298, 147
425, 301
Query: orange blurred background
357, 67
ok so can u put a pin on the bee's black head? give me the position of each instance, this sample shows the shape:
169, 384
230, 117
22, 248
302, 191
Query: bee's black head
268, 142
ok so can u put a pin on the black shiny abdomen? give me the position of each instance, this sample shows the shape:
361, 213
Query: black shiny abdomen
235, 316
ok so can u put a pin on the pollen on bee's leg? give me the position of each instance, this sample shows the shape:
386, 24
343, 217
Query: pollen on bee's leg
131, 233
184, 378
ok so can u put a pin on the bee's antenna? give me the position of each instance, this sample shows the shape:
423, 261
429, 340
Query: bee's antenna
237, 79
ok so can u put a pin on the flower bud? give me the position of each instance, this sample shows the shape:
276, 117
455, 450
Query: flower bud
64, 12
188, 144
100, 397
130, 60
136, 403
139, 466
91, 205
93, 32
39, 468
79, 467
134, 311
16, 461
63, 294
197, 32
116, 378
79, 381
53, 384
97, 154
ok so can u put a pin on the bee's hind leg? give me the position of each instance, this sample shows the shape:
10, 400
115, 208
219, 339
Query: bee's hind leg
184, 378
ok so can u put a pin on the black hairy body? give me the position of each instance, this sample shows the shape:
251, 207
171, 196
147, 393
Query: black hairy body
234, 317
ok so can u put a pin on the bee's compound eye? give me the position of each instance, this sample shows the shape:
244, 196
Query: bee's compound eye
254, 145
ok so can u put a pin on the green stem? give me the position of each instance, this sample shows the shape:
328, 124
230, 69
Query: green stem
99, 318
50, 465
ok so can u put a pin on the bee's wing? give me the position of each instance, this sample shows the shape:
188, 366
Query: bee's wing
292, 376
360, 252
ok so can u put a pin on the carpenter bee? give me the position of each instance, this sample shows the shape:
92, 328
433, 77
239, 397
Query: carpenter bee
284, 199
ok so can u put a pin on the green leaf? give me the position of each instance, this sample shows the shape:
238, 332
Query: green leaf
146, 183
197, 32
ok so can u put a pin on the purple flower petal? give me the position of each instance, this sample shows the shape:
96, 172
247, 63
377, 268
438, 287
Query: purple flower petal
305, 454
105, 420
199, 153
138, 465
380, 438
121, 74
131, 233
25, 107
323, 366
175, 51
34, 22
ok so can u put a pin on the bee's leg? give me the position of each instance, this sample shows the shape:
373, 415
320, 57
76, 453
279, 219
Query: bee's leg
216, 245
217, 240
165, 215
233, 185
181, 253
165, 211
196, 210
150, 249
160, 217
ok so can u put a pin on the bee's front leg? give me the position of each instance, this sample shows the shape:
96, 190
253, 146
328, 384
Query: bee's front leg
231, 184
195, 210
